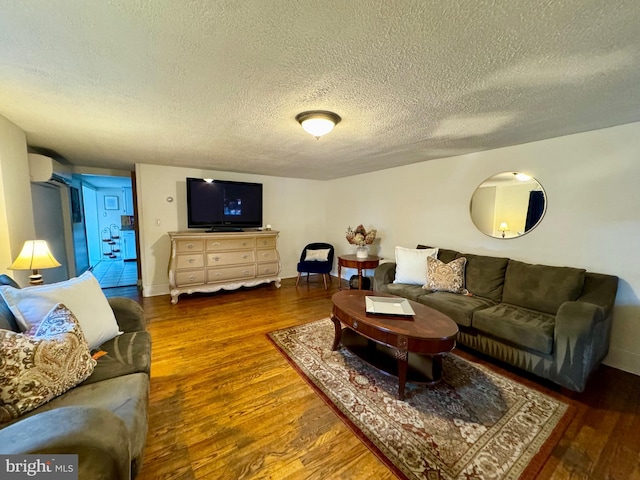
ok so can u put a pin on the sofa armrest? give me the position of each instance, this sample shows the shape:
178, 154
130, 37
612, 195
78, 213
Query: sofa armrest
96, 435
129, 314
600, 289
582, 333
384, 274
578, 319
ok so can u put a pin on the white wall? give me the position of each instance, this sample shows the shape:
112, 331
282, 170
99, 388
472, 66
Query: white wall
592, 219
294, 207
16, 212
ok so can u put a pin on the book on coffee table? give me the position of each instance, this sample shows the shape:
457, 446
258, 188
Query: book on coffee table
388, 306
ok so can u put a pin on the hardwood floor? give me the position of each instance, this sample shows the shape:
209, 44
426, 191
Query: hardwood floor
225, 404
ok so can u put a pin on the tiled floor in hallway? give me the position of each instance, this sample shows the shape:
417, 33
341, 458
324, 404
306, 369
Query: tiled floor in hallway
116, 273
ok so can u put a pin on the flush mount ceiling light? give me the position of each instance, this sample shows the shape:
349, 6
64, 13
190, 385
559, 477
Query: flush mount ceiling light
318, 122
523, 177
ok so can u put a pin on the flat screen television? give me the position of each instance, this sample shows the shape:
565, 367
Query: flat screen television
223, 205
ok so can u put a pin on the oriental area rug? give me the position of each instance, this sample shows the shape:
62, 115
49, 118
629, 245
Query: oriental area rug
474, 424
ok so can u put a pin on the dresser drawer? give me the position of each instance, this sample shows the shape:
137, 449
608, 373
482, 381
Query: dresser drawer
267, 256
231, 273
230, 258
218, 244
266, 242
193, 277
267, 269
187, 245
195, 260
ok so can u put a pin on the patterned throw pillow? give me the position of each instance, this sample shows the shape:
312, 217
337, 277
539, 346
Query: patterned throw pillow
38, 367
445, 277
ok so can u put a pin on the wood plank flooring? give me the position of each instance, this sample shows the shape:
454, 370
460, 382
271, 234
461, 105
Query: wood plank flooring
225, 404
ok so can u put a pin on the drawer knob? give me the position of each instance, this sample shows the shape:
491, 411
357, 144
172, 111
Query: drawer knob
216, 258
265, 254
244, 244
246, 273
190, 245
218, 274
215, 243
245, 256
192, 278
267, 270
355, 324
191, 260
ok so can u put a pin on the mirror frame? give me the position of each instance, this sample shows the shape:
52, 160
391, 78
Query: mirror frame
489, 223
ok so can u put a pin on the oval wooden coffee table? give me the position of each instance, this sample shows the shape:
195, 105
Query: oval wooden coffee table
386, 341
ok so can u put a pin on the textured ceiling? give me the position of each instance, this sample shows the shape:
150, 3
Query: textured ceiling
217, 84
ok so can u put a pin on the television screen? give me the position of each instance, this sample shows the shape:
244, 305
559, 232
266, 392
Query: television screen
223, 205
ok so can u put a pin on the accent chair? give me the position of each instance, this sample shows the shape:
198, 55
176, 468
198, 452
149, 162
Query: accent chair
316, 258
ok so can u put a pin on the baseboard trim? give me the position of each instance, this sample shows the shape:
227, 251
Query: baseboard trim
623, 360
155, 290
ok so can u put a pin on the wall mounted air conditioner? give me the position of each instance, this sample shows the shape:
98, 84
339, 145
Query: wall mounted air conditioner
41, 169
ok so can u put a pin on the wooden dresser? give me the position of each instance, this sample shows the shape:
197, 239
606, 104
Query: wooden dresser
208, 262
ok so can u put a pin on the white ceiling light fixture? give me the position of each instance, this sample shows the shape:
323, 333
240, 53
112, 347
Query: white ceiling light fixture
318, 122
523, 177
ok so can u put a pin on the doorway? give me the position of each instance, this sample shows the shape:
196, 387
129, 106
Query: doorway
111, 232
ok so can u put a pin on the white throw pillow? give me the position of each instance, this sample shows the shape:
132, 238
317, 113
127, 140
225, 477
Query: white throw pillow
320, 255
82, 295
411, 265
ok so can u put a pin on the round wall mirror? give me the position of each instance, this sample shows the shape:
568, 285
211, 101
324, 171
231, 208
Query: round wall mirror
508, 205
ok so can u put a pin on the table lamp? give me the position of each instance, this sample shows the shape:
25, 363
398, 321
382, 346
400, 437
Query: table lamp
503, 228
35, 255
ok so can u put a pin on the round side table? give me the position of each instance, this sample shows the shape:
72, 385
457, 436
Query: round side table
352, 261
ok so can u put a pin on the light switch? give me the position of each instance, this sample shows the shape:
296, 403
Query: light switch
157, 222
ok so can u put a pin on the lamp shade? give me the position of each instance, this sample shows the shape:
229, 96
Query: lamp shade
318, 122
35, 255
503, 227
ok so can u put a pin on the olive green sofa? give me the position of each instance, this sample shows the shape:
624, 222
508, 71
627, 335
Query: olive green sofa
103, 419
554, 322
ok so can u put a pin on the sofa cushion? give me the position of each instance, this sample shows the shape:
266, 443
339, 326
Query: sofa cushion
82, 295
525, 328
126, 396
7, 280
447, 256
129, 314
541, 287
444, 255
485, 275
411, 265
459, 307
445, 277
412, 292
7, 319
124, 354
36, 368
